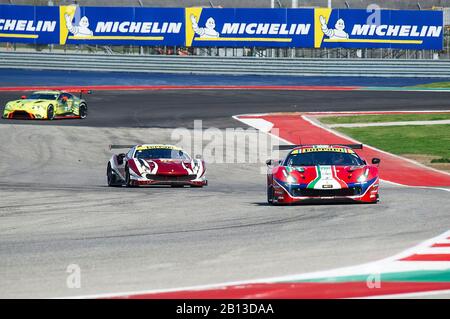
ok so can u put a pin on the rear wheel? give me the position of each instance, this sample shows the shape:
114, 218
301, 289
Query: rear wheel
83, 111
50, 112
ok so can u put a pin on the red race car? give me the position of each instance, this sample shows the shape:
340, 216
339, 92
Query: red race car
312, 173
155, 164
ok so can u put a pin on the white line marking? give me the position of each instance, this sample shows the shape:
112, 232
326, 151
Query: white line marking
401, 123
372, 112
258, 123
408, 295
434, 251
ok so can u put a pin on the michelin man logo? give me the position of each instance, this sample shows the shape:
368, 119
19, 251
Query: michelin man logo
80, 30
337, 33
206, 32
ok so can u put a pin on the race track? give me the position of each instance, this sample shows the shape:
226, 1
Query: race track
55, 208
178, 108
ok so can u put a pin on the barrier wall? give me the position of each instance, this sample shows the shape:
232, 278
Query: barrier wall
226, 65
211, 27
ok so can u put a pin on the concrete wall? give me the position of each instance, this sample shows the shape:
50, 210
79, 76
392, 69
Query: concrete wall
407, 4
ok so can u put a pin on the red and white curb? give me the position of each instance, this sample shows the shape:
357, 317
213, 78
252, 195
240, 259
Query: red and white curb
434, 255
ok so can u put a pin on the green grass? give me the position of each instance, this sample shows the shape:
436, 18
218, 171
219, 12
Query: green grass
385, 118
414, 139
435, 85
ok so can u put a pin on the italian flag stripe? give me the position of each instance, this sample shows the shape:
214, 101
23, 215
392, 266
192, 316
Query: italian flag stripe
340, 181
319, 176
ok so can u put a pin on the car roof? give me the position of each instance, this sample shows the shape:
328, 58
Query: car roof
48, 92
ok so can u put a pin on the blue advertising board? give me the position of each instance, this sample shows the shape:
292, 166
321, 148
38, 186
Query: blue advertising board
249, 27
29, 24
122, 25
230, 27
397, 29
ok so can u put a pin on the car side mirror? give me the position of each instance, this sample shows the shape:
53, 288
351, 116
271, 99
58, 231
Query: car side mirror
23, 97
120, 158
376, 161
269, 162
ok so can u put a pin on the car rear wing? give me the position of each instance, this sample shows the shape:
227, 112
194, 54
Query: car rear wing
84, 91
121, 146
290, 147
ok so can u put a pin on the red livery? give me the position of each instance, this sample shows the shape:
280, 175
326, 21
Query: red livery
311, 173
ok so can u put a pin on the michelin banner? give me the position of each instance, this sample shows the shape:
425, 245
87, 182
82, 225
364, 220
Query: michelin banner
212, 27
250, 27
121, 25
29, 24
397, 29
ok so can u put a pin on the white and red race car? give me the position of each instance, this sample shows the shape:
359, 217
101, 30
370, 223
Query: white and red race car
155, 164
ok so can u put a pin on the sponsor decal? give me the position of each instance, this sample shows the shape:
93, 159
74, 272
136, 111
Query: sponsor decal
28, 24
121, 25
238, 27
405, 29
151, 147
324, 149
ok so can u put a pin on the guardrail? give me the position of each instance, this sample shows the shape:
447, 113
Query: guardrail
230, 65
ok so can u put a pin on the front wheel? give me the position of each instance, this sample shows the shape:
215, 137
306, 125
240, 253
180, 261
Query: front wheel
83, 111
128, 181
50, 112
270, 194
111, 177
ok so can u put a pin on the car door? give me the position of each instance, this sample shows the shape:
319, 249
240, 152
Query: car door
65, 103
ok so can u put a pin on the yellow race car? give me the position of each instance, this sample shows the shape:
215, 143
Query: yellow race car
47, 105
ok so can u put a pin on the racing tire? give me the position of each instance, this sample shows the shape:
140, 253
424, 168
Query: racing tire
83, 111
50, 112
270, 195
111, 178
128, 181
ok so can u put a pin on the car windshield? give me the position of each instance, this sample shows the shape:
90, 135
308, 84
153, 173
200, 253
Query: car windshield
323, 158
157, 153
42, 96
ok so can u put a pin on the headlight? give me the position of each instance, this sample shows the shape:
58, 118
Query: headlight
7, 106
289, 178
363, 177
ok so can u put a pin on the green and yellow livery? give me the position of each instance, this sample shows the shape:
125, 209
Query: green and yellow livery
47, 105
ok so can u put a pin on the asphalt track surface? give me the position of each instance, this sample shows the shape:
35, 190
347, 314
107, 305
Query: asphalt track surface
171, 108
55, 208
